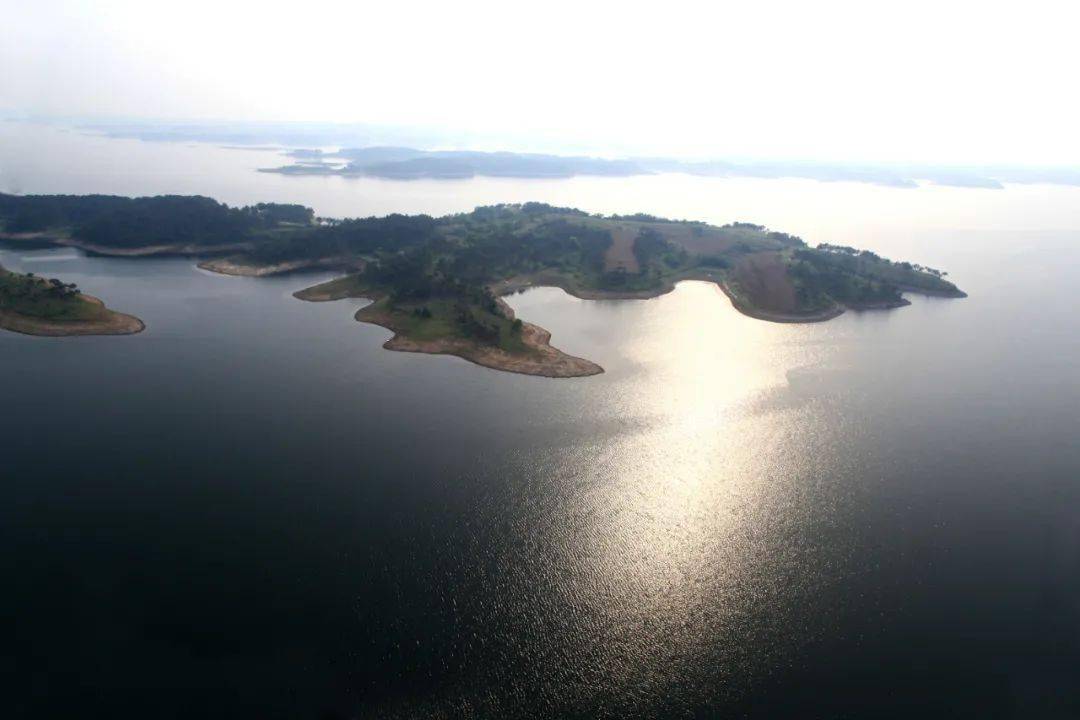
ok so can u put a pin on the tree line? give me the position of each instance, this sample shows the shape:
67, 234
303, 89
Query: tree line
114, 221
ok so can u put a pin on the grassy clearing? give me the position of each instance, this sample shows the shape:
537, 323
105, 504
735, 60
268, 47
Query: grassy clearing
620, 254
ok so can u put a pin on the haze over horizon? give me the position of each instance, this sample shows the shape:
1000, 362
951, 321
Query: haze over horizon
839, 81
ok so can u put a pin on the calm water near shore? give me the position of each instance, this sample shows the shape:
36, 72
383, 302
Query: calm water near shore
253, 510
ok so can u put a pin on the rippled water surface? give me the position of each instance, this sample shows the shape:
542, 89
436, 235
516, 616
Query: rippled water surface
252, 509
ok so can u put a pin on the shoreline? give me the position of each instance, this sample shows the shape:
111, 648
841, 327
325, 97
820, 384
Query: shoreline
229, 266
544, 360
743, 307
525, 282
548, 360
115, 323
953, 294
521, 283
555, 363
107, 251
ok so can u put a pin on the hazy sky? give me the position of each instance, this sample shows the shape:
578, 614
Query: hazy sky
922, 81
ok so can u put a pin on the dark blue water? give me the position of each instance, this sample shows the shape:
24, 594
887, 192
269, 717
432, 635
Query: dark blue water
253, 510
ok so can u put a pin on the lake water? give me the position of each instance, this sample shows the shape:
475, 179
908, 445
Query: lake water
253, 510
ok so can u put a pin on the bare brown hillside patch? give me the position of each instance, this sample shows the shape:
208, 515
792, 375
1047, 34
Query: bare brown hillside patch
764, 279
621, 252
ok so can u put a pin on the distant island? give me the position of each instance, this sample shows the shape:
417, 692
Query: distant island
406, 163
402, 163
36, 306
437, 283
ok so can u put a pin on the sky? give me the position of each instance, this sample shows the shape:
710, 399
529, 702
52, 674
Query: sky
913, 81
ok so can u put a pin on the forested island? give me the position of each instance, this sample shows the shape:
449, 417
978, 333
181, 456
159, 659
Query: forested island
437, 282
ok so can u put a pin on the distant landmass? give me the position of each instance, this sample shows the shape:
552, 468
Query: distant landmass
409, 153
404, 163
437, 283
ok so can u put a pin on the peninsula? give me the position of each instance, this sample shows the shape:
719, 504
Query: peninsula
36, 306
437, 282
